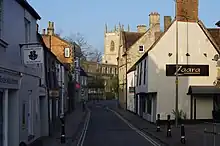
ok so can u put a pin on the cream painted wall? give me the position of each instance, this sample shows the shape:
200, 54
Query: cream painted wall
131, 83
193, 39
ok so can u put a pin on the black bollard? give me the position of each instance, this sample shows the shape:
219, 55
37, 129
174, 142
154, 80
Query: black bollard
22, 144
183, 139
63, 137
158, 122
168, 126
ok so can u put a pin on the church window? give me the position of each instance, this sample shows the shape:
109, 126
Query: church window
112, 47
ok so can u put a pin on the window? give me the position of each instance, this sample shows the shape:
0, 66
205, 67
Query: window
67, 52
1, 16
112, 47
140, 74
27, 30
145, 70
106, 70
141, 48
110, 70
137, 74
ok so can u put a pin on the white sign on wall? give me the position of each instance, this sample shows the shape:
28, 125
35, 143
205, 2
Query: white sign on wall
33, 55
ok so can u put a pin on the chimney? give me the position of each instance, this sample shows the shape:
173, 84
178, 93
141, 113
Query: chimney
50, 29
157, 35
142, 28
187, 10
167, 22
154, 18
43, 31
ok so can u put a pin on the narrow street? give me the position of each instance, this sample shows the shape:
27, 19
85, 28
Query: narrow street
105, 128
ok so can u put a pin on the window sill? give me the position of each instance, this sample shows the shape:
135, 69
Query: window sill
3, 43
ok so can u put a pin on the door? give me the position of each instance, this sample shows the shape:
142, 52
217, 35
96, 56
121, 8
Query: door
1, 118
30, 116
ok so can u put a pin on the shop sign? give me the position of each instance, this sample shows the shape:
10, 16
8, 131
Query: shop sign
54, 93
187, 70
9, 79
33, 55
131, 89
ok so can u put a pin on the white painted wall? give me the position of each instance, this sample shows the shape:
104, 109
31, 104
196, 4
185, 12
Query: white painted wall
191, 37
130, 98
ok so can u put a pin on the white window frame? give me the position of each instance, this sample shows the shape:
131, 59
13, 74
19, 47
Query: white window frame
27, 26
67, 52
139, 48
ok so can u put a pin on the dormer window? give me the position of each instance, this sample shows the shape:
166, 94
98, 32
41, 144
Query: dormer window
67, 52
141, 48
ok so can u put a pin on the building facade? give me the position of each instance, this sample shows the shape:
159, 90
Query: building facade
19, 83
101, 72
133, 45
156, 71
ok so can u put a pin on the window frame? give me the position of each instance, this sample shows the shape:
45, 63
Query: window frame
139, 48
140, 73
145, 70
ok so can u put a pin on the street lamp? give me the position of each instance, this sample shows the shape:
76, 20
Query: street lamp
177, 66
177, 63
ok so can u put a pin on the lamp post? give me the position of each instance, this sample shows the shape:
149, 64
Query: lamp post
177, 66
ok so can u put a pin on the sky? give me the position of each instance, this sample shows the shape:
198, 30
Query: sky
88, 17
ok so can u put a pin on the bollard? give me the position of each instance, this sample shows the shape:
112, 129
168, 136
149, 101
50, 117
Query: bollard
168, 126
63, 137
22, 144
183, 139
158, 122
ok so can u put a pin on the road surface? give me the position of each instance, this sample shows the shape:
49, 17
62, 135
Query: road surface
106, 128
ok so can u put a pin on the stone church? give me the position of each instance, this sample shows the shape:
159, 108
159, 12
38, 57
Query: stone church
124, 47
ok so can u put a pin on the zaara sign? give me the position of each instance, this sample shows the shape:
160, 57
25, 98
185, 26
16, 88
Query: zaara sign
187, 70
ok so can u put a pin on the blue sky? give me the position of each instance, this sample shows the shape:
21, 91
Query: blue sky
89, 16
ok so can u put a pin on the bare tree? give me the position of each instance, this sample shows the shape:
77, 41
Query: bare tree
87, 50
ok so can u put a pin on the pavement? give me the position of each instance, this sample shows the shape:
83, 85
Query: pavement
105, 128
194, 134
73, 125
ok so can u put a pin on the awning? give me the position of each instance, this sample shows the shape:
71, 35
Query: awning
203, 90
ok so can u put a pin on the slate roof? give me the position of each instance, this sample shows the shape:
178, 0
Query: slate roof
130, 38
29, 8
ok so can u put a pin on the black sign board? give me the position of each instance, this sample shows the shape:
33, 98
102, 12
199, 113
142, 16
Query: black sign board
187, 70
131, 89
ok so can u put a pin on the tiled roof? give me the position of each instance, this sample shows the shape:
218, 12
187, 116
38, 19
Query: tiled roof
215, 33
130, 38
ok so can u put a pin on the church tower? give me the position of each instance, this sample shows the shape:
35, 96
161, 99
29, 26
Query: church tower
111, 44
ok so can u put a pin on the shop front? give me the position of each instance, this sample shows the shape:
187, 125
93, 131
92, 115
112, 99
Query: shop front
9, 83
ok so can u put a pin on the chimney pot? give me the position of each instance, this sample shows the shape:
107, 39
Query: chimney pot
141, 28
167, 22
154, 18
